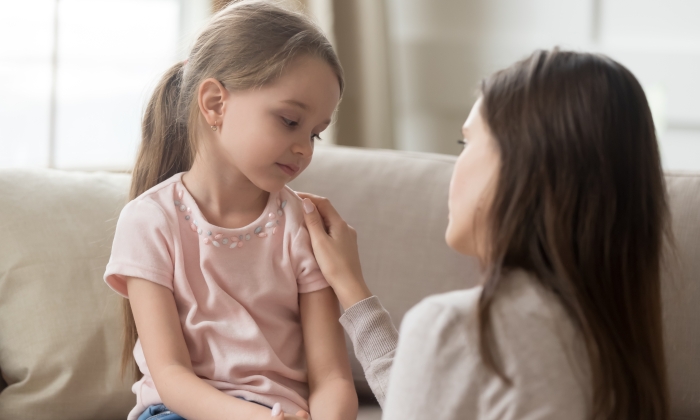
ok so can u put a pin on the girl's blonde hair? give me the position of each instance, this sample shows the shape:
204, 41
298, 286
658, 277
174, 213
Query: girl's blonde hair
247, 44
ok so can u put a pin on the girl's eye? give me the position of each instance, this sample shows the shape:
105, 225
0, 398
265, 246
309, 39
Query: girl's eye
315, 136
289, 122
462, 142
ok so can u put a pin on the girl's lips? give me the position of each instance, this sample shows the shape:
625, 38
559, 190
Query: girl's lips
290, 169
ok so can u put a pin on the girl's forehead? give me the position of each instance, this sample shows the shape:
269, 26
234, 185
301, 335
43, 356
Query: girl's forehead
306, 85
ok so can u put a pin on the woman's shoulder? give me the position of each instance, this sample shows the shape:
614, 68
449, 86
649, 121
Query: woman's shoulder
521, 306
440, 315
522, 299
458, 303
536, 342
539, 345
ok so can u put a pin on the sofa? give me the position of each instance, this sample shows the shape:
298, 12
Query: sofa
60, 326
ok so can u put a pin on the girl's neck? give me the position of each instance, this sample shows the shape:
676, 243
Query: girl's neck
225, 196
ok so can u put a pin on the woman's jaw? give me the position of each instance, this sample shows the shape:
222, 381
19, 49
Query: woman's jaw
472, 187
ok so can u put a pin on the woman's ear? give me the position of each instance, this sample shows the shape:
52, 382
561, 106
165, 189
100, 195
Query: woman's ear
211, 97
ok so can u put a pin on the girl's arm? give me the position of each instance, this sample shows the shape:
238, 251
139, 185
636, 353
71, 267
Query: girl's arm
333, 395
168, 359
368, 324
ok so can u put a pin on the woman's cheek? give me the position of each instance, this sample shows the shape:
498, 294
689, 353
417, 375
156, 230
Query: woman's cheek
458, 232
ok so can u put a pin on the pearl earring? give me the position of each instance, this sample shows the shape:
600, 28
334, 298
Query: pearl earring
213, 127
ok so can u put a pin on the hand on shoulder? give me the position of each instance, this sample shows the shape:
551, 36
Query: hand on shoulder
335, 245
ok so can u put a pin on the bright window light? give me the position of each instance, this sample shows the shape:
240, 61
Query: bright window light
75, 76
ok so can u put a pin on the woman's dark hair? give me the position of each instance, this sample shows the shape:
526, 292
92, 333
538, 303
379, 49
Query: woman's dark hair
581, 204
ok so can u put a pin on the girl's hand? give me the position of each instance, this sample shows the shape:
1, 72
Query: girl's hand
335, 245
301, 414
278, 414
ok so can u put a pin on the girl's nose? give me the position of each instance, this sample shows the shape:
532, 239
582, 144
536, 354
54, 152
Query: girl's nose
303, 146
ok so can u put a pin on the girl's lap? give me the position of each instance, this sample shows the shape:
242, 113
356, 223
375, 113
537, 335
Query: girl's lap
161, 412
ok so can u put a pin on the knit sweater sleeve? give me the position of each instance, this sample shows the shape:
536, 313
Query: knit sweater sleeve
374, 339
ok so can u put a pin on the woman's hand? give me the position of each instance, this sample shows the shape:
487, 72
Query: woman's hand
335, 246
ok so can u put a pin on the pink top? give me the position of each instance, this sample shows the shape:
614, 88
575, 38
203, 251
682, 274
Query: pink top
236, 291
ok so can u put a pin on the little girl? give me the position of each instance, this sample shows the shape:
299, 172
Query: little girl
233, 315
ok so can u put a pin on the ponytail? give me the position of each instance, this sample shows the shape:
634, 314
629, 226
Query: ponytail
165, 150
165, 147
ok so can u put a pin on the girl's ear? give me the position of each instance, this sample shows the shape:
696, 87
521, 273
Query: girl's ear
211, 97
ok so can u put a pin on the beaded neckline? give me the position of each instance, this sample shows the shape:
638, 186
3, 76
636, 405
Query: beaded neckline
221, 239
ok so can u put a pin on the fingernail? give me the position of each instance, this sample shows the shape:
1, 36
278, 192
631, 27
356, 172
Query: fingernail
276, 410
308, 206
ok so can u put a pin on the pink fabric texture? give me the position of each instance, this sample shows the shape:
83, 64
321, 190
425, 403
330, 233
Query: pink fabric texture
236, 291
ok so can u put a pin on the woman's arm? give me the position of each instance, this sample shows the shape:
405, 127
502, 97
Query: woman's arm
374, 339
437, 370
168, 360
368, 324
333, 395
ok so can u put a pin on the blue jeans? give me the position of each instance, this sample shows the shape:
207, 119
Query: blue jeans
161, 412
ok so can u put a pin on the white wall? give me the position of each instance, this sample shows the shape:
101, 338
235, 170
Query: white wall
441, 49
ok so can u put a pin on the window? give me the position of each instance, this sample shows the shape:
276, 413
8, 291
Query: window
443, 48
75, 76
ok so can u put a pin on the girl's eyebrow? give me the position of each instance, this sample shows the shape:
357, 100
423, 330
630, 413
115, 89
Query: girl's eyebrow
296, 103
301, 105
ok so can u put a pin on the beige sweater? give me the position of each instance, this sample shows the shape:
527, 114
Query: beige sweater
436, 372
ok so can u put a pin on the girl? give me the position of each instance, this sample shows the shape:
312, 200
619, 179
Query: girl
559, 193
212, 252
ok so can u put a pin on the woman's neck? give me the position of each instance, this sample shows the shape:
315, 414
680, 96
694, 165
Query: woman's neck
225, 196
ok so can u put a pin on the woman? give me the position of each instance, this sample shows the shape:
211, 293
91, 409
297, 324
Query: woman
560, 195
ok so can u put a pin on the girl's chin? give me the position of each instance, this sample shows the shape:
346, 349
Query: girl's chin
270, 184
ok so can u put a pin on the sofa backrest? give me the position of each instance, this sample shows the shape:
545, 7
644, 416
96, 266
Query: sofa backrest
60, 328
681, 296
60, 325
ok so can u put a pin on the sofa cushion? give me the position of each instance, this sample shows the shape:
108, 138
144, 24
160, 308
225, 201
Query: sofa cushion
59, 324
681, 297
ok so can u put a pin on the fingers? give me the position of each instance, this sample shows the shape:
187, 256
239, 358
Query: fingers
277, 414
325, 208
314, 222
277, 411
